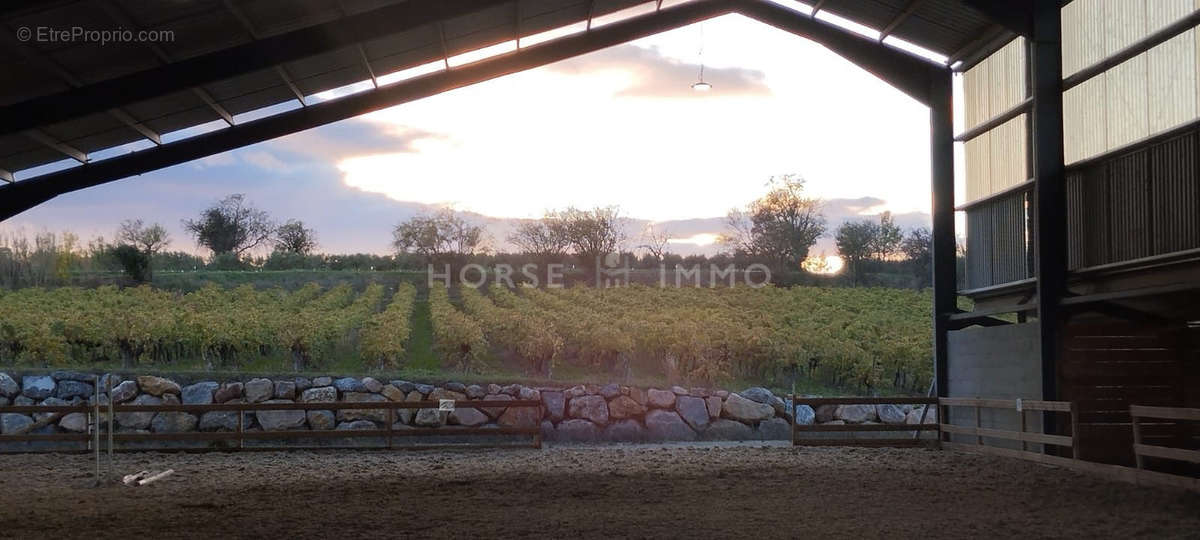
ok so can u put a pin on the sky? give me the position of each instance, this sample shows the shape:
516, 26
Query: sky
620, 126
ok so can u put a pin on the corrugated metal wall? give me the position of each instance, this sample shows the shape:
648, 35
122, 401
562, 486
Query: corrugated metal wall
997, 247
996, 159
1137, 204
1145, 95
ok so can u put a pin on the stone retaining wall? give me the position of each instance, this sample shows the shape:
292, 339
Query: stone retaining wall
584, 413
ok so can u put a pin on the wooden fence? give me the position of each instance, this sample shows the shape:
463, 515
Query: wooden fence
854, 429
1023, 436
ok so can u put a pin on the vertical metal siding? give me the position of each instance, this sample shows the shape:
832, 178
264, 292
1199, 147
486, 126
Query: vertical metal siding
1175, 194
1008, 148
1129, 203
1128, 107
997, 243
979, 164
1172, 82
1083, 34
1124, 23
1087, 217
1161, 13
1085, 125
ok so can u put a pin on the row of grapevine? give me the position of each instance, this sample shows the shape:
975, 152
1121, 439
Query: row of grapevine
220, 326
457, 337
384, 335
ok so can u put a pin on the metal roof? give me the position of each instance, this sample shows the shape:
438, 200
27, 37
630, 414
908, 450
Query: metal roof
69, 98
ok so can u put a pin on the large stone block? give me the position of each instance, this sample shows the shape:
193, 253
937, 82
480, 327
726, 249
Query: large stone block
627, 430
259, 390
723, 429
374, 415
775, 429
693, 410
228, 391
744, 410
319, 394
281, 420
8, 386
173, 422
157, 386
856, 414
625, 407
660, 399
200, 393
138, 420
577, 430
592, 408
662, 425
555, 404
37, 386
70, 388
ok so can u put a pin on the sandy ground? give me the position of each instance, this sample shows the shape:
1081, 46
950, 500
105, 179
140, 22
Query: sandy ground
686, 491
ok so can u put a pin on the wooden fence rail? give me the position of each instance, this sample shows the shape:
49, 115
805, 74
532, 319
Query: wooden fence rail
1163, 413
798, 429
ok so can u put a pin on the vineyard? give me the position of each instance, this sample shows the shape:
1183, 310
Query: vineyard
852, 338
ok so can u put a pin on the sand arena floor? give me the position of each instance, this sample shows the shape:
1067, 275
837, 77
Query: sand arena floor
684, 491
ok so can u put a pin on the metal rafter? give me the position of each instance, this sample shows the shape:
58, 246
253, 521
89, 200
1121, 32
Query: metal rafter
591, 13
817, 7
6, 176
254, 35
123, 19
362, 54
233, 61
441, 32
517, 22
65, 149
900, 18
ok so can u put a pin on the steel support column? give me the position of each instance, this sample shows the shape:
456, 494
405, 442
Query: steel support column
1050, 220
945, 282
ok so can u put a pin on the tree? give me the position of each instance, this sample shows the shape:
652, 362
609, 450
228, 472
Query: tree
918, 249
437, 235
656, 242
544, 238
293, 237
232, 226
780, 226
856, 242
593, 233
134, 262
150, 239
888, 238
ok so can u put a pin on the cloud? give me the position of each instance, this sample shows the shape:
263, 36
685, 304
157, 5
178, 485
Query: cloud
350, 138
657, 76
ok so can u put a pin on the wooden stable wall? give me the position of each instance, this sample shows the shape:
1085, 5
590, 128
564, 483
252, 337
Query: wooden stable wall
1107, 367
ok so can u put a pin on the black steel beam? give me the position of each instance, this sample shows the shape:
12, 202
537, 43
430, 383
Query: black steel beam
1049, 188
226, 63
20, 196
907, 72
945, 279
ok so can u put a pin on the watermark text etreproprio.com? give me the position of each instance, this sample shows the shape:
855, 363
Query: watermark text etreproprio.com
95, 36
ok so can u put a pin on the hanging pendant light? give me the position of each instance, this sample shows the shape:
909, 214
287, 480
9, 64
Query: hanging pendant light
700, 85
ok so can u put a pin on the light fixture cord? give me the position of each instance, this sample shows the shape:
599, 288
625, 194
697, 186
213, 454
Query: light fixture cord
701, 53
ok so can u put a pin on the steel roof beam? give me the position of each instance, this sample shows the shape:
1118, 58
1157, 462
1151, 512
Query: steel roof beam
227, 63
20, 196
6, 176
906, 72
